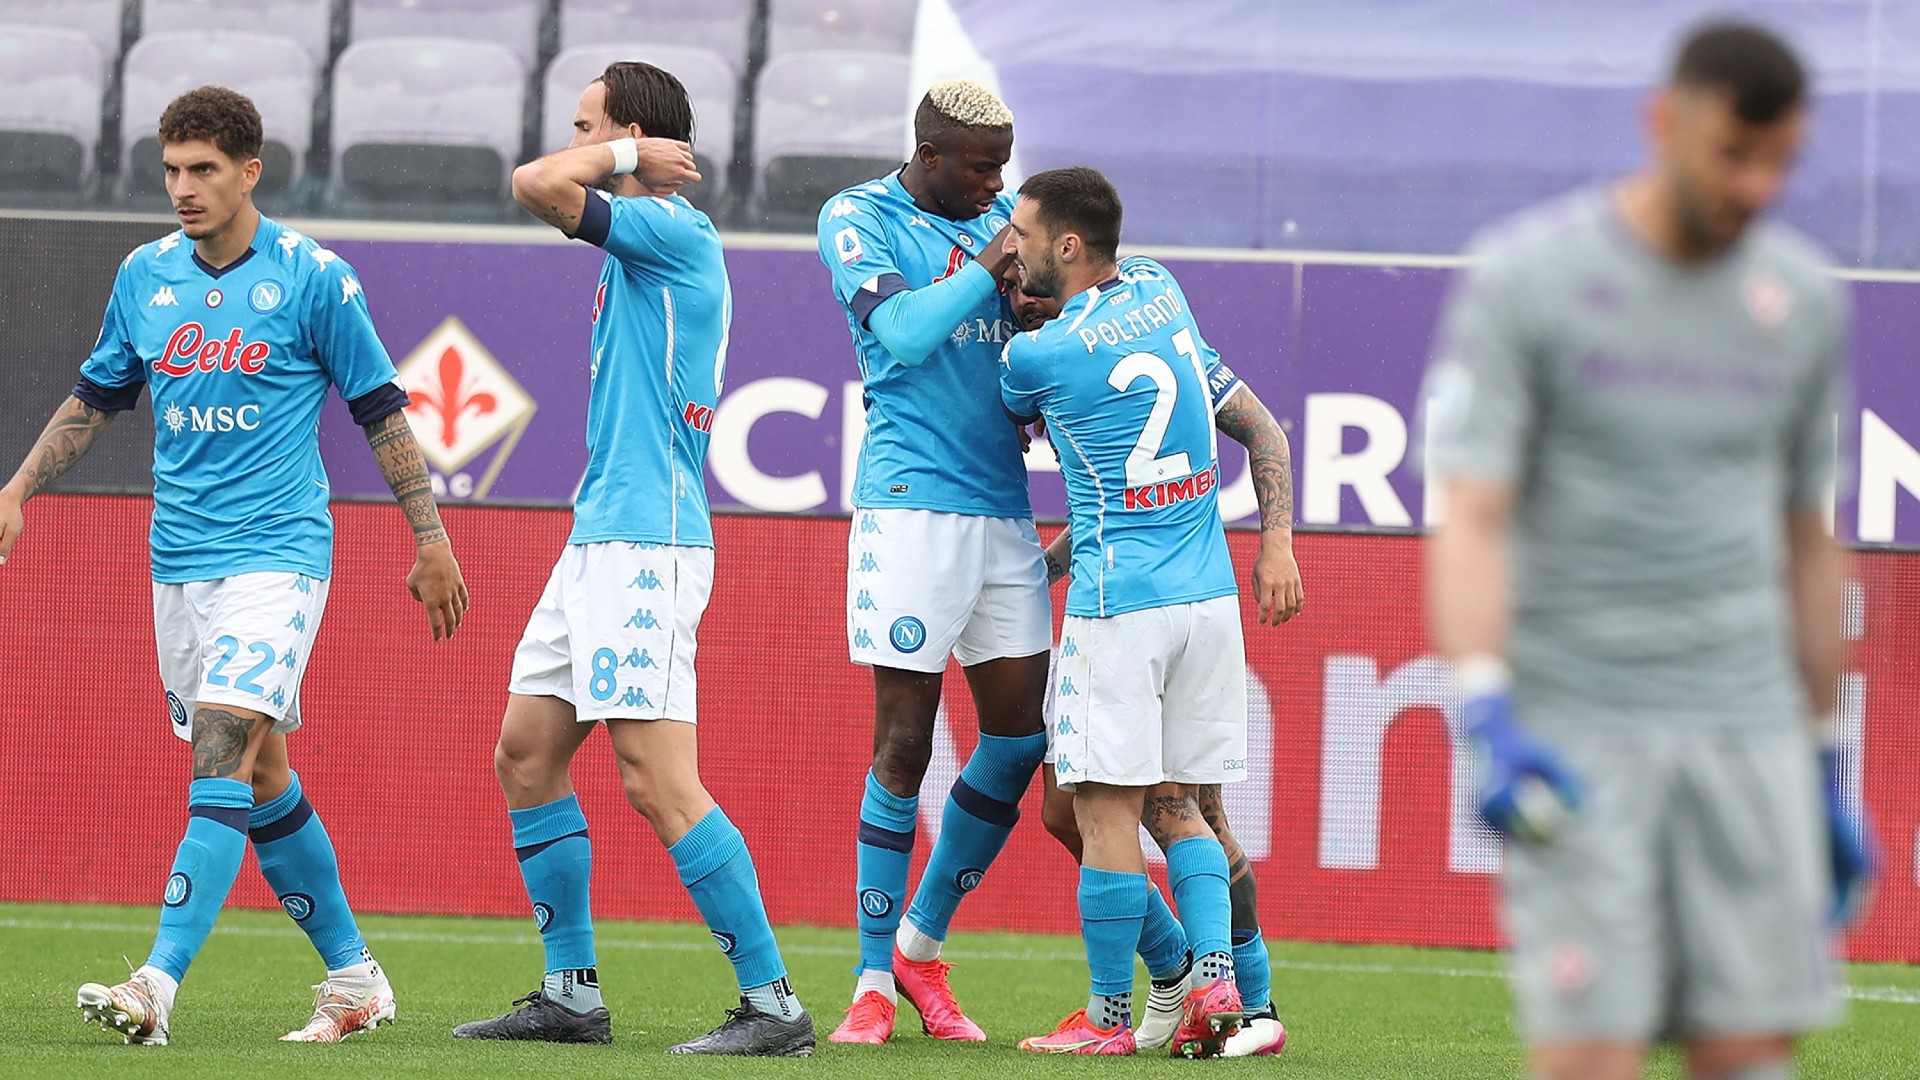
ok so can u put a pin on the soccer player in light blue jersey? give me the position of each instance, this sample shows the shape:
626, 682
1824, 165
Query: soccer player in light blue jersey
238, 326
943, 558
612, 637
1150, 699
1239, 414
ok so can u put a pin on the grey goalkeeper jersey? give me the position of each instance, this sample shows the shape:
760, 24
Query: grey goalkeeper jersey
1657, 422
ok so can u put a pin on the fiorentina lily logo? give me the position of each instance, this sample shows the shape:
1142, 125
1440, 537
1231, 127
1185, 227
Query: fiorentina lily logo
461, 402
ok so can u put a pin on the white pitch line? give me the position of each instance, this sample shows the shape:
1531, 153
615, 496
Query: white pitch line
1889, 995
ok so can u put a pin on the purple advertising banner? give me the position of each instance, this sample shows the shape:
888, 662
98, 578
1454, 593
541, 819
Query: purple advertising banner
491, 339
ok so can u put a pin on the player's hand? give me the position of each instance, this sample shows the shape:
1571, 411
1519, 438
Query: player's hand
436, 582
1851, 840
1277, 591
1026, 437
666, 165
13, 521
1524, 791
998, 257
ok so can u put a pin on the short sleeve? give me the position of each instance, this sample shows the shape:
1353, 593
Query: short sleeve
1222, 383
1479, 404
1019, 384
642, 230
341, 329
859, 255
113, 364
1812, 450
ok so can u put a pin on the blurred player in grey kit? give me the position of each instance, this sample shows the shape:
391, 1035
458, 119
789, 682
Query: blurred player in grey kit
1631, 408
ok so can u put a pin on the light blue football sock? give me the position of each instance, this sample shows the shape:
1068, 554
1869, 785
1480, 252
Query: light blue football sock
1112, 905
1252, 970
1197, 870
1163, 944
974, 825
297, 859
556, 861
717, 870
204, 867
888, 823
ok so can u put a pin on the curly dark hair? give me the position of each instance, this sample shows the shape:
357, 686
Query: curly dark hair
222, 117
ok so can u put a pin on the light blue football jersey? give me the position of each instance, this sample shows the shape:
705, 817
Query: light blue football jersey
1128, 388
238, 361
660, 321
937, 438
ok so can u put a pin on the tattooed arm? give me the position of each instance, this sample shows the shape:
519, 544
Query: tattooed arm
67, 436
435, 580
1276, 577
1059, 556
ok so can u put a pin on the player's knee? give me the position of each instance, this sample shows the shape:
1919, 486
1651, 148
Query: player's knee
1056, 813
520, 767
900, 761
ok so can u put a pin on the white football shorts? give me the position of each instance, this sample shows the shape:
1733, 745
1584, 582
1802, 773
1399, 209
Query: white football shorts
1151, 696
241, 641
923, 585
613, 633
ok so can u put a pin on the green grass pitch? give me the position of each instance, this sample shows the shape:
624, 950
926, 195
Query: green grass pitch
1376, 1013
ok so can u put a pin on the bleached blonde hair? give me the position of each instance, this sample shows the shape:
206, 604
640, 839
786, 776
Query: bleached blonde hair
968, 104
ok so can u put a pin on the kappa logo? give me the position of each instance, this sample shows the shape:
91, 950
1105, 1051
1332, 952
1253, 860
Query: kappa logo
875, 903
298, 905
843, 208
636, 698
542, 917
164, 298
645, 579
167, 243
868, 524
862, 639
868, 564
298, 622
291, 660
639, 658
864, 602
1065, 727
907, 634
461, 402
179, 887
349, 288
1068, 648
643, 620
1066, 687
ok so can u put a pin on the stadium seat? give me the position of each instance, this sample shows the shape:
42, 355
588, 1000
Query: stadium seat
426, 120
514, 24
52, 82
99, 20
807, 25
710, 83
276, 72
720, 26
309, 22
825, 121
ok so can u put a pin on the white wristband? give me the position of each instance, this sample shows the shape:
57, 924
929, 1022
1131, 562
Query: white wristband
1481, 674
626, 155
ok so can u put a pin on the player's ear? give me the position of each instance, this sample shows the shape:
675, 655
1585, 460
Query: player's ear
250, 173
927, 155
1070, 246
1657, 114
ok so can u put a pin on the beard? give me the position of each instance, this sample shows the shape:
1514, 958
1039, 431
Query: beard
1043, 280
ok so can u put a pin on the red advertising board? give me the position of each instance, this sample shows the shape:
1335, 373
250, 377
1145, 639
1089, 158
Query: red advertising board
1355, 812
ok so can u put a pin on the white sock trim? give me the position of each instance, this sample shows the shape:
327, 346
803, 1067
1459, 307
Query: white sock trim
881, 981
915, 944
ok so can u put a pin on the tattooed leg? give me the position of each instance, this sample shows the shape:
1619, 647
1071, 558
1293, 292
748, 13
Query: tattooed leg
226, 741
1239, 870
